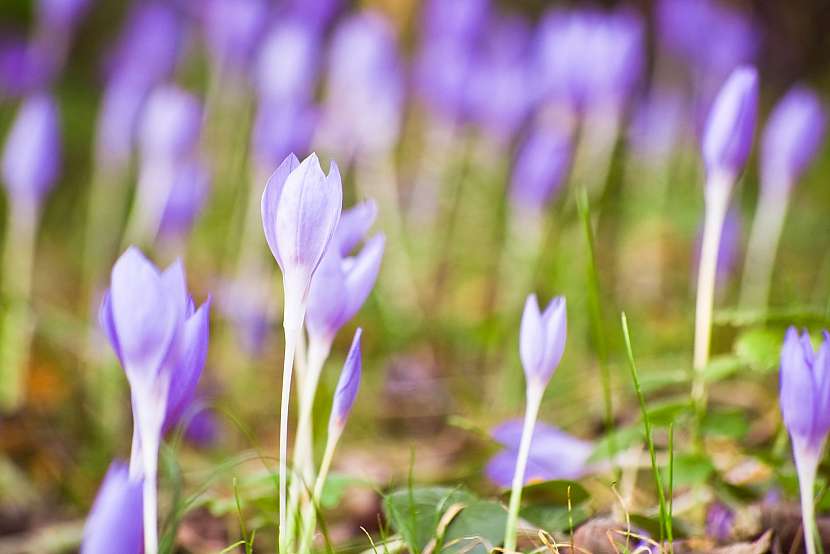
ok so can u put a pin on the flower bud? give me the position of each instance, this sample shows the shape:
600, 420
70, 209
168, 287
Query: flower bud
542, 339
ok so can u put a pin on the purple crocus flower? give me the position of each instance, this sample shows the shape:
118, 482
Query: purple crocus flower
318, 13
170, 124
233, 29
202, 429
32, 153
287, 63
805, 407
542, 339
114, 523
590, 58
554, 454
61, 14
244, 301
727, 139
542, 165
657, 126
347, 387
25, 66
353, 225
300, 210
364, 100
720, 521
463, 20
792, 137
187, 197
340, 287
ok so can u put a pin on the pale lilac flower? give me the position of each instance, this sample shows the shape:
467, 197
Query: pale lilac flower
170, 124
657, 126
114, 523
727, 139
347, 387
805, 388
233, 29
61, 15
720, 521
187, 197
300, 210
554, 454
287, 63
542, 339
792, 137
32, 152
244, 301
353, 225
340, 287
25, 66
364, 98
542, 165
279, 130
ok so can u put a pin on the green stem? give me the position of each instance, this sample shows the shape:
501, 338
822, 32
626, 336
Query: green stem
310, 514
291, 332
534, 399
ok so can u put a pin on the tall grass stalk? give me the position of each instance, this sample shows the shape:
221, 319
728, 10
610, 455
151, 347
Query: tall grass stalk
310, 519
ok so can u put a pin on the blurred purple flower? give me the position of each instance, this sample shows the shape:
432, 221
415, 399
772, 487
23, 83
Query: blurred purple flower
279, 130
792, 137
805, 389
61, 15
170, 124
554, 454
542, 339
25, 66
118, 122
244, 302
720, 521
353, 225
730, 126
202, 430
347, 387
32, 152
114, 523
300, 210
499, 91
713, 38
187, 198
658, 125
460, 20
364, 100
232, 30
148, 48
542, 165
317, 13
287, 63
588, 58
340, 287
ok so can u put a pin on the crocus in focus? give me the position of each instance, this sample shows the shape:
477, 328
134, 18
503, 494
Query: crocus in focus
805, 408
32, 153
727, 142
541, 344
791, 140
113, 524
554, 454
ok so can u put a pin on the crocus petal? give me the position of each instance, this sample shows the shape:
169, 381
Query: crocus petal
354, 224
531, 338
170, 123
730, 126
327, 298
307, 214
185, 376
797, 387
114, 523
347, 386
175, 285
361, 274
31, 156
143, 317
107, 324
271, 200
792, 137
556, 330
821, 377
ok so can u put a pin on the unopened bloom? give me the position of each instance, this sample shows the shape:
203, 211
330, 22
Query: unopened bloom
114, 523
554, 454
542, 339
32, 153
340, 288
792, 137
300, 210
170, 124
727, 138
347, 387
542, 165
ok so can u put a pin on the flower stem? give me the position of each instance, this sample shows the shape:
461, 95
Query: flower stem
718, 190
534, 399
292, 330
303, 459
310, 514
806, 463
762, 247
